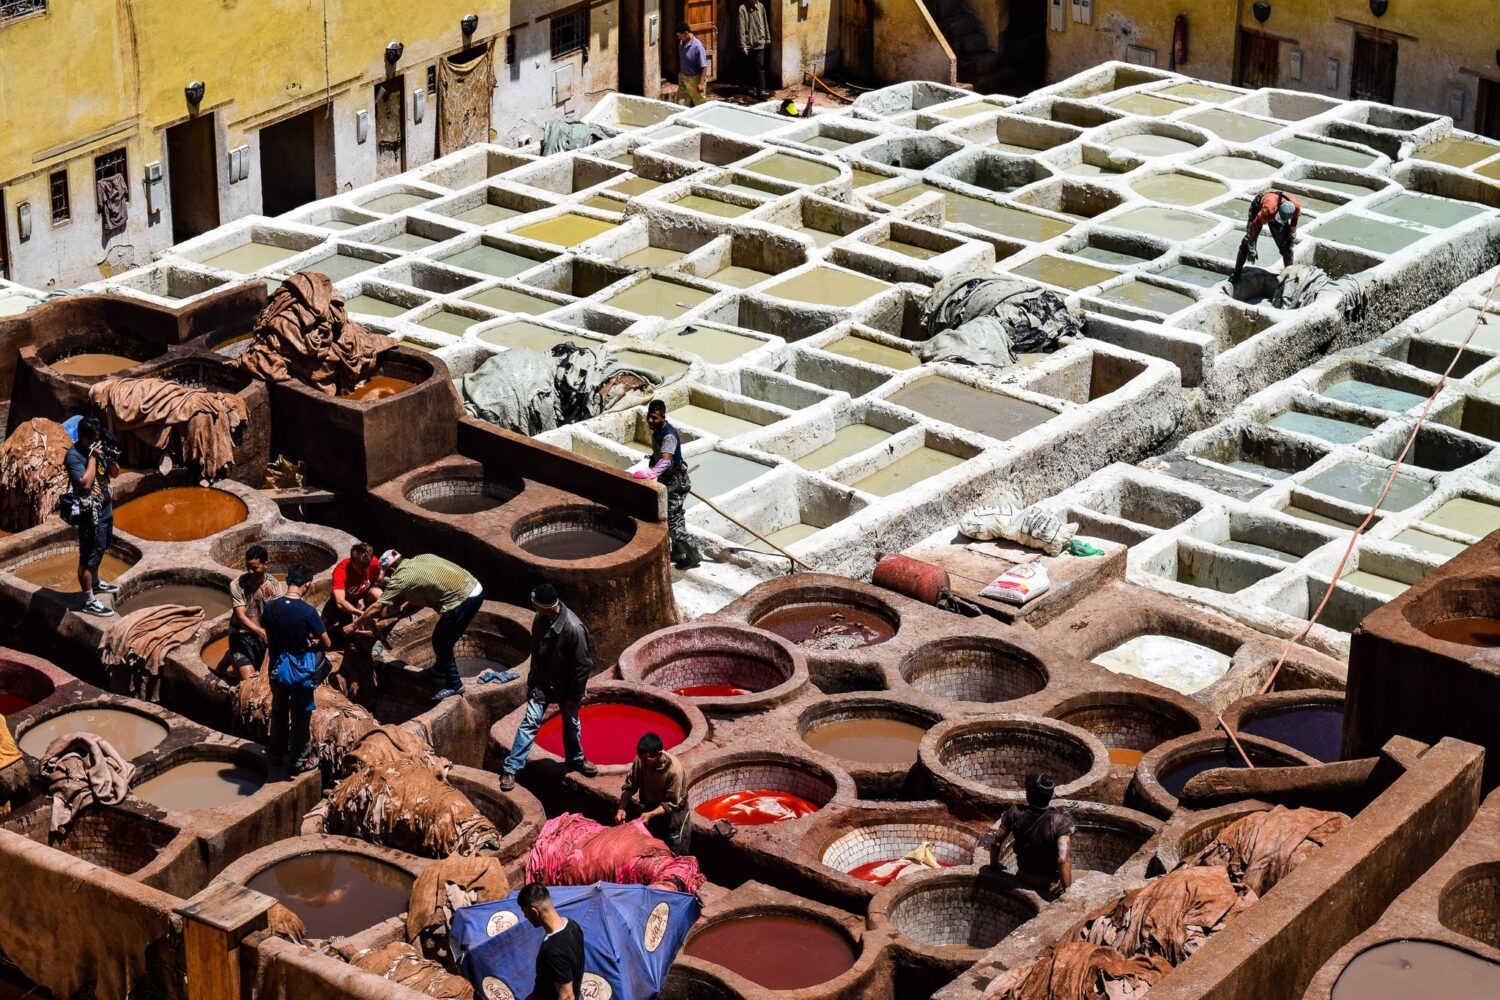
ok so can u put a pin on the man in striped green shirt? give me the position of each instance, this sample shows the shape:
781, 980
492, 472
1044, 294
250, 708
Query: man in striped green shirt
429, 581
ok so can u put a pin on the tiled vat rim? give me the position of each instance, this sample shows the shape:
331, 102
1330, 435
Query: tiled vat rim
1283, 594
882, 840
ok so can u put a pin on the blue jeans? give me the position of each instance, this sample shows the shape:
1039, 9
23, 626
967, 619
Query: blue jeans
536, 706
445, 635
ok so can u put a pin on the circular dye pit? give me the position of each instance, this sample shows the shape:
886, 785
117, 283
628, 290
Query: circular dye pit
460, 496
570, 534
1174, 777
1185, 667
1470, 904
757, 807
1484, 632
876, 853
1001, 754
180, 514
93, 365
1316, 730
285, 552
779, 951
710, 661
611, 731
1417, 970
212, 600
131, 733
869, 737
22, 686
710, 691
336, 893
973, 670
10, 703
200, 784
215, 652
378, 387
828, 626
59, 571
1128, 728
955, 911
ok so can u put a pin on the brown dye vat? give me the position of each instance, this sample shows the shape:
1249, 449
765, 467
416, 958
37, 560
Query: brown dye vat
215, 652
828, 626
777, 951
461, 503
573, 543
1417, 970
200, 784
378, 387
213, 601
1125, 757
60, 571
128, 732
868, 741
180, 514
1466, 631
92, 365
336, 893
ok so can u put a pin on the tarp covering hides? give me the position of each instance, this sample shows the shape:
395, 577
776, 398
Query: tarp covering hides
139, 643
32, 475
562, 134
631, 934
445, 887
151, 415
305, 334
988, 321
574, 850
529, 392
464, 93
1297, 286
80, 769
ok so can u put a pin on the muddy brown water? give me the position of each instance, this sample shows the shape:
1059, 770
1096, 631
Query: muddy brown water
828, 626
989, 413
1417, 970
128, 732
180, 514
868, 740
777, 951
93, 364
60, 571
461, 503
336, 893
200, 784
1466, 631
212, 600
573, 543
379, 387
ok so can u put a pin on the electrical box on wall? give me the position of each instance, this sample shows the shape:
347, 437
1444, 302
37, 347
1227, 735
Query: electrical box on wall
154, 203
23, 220
653, 26
361, 126
1057, 14
239, 164
1296, 65
1333, 74
1083, 11
1140, 55
1458, 101
418, 106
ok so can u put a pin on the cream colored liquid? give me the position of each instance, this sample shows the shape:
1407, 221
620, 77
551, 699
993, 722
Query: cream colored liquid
850, 440
784, 537
248, 258
655, 297
717, 347
1470, 517
653, 257
909, 249
861, 349
795, 169
826, 286
1178, 189
710, 206
448, 322
510, 300
369, 305
907, 471
537, 338
1146, 104
1064, 273
713, 421
396, 202
740, 277
486, 214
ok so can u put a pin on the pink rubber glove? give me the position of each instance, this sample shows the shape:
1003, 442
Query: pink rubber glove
643, 474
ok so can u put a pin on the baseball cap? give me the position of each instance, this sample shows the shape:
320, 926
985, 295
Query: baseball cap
389, 558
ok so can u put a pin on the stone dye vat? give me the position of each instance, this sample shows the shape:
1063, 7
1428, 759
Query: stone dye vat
569, 534
974, 670
990, 758
759, 789
1172, 662
992, 414
129, 732
611, 730
1312, 724
828, 626
777, 951
866, 731
718, 665
200, 784
59, 571
335, 893
953, 911
1416, 970
180, 514
875, 845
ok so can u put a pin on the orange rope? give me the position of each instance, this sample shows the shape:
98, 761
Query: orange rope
1411, 439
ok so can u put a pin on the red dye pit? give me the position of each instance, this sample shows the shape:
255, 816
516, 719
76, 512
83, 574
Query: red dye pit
779, 952
710, 691
756, 808
10, 704
611, 730
885, 872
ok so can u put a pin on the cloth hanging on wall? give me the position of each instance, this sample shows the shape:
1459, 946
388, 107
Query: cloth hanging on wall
464, 90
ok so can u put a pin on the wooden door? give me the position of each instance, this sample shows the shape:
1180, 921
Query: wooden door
1373, 77
703, 17
193, 177
1260, 60
857, 41
1487, 112
390, 127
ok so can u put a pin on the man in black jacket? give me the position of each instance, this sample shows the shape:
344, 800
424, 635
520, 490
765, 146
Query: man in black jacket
561, 664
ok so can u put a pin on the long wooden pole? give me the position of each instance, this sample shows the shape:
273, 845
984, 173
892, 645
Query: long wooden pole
740, 524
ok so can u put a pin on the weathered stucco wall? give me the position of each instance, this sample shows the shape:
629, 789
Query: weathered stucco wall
909, 46
1120, 24
809, 38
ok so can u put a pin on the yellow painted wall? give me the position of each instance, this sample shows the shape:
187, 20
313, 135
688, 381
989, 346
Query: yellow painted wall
1119, 24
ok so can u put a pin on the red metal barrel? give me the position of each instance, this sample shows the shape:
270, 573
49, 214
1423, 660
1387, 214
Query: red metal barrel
921, 581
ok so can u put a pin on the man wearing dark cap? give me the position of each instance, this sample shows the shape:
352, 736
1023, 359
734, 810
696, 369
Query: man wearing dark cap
562, 662
1042, 834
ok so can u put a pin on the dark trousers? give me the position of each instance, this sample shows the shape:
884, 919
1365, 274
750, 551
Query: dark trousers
289, 723
758, 58
1283, 238
445, 635
674, 827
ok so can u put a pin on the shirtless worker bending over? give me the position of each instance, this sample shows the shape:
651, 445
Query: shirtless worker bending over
1042, 836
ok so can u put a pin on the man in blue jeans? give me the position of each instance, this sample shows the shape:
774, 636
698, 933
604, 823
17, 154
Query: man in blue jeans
562, 662
296, 640
429, 581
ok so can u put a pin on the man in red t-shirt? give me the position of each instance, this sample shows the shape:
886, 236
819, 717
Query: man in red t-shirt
356, 586
1278, 211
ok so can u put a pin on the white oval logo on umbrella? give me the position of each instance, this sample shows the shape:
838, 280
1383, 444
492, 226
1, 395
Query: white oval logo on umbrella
501, 921
595, 988
656, 926
494, 989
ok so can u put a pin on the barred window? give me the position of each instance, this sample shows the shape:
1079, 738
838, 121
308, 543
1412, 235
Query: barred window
570, 31
61, 210
20, 8
510, 48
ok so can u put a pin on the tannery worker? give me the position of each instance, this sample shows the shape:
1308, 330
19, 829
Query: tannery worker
429, 581
755, 42
1042, 834
559, 959
655, 791
15, 774
672, 472
692, 61
248, 595
562, 661
90, 468
297, 639
1281, 212
356, 586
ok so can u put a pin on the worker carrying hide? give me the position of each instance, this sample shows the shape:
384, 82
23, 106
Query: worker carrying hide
989, 321
528, 392
1277, 210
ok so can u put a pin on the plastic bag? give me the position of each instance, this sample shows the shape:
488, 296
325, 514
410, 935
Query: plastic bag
1019, 584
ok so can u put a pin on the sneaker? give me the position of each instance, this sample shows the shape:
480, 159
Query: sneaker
507, 781
448, 692
93, 607
106, 588
305, 763
379, 649
584, 767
